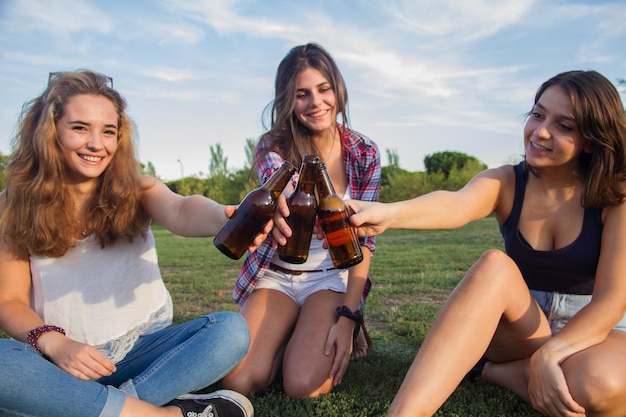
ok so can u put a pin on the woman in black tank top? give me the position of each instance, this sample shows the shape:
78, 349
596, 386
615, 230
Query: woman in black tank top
563, 218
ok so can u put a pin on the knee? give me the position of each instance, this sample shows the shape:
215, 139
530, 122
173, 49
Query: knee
245, 381
305, 387
493, 267
596, 391
235, 333
496, 259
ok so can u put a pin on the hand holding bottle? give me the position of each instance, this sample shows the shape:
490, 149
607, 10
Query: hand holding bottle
251, 216
260, 238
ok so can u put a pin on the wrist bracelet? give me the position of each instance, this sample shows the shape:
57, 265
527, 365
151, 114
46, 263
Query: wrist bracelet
355, 316
34, 334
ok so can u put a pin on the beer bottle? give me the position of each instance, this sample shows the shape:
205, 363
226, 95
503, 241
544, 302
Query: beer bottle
302, 210
255, 210
333, 214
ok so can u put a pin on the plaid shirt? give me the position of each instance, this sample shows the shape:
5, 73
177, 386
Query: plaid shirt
362, 161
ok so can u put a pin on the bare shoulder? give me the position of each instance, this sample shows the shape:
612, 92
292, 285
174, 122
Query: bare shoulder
151, 186
615, 213
493, 179
148, 181
504, 177
503, 173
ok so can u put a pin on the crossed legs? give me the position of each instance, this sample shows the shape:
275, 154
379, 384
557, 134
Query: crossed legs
492, 312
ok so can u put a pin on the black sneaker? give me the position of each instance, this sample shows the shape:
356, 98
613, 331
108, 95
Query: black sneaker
222, 403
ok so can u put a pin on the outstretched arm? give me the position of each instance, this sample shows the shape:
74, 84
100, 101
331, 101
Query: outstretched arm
436, 210
190, 216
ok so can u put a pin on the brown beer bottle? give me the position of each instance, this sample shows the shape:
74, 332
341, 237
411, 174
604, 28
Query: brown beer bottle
255, 210
302, 210
333, 214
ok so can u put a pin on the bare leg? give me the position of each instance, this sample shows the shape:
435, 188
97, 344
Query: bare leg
305, 367
492, 296
512, 375
596, 377
271, 316
134, 407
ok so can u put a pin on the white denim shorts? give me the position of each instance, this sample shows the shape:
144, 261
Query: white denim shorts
299, 287
560, 308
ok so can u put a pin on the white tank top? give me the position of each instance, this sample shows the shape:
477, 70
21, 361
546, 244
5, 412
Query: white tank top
107, 297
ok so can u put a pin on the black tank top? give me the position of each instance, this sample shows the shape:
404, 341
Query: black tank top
571, 269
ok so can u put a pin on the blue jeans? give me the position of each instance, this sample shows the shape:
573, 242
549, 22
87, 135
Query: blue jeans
160, 367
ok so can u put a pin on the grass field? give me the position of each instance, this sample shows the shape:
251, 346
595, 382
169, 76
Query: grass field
412, 274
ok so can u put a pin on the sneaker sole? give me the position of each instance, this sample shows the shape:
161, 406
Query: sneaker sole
241, 400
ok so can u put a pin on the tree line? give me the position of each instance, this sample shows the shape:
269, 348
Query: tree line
447, 170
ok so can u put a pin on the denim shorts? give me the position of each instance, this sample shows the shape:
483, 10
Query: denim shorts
560, 308
299, 287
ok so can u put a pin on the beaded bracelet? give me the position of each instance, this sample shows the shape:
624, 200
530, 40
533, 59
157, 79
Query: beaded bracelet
34, 334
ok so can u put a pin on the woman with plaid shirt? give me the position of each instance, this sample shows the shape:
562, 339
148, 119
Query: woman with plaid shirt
292, 314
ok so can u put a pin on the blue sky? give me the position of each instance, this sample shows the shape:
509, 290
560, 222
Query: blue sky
423, 76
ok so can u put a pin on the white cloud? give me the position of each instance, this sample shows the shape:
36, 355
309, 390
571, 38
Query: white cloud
171, 74
56, 16
464, 21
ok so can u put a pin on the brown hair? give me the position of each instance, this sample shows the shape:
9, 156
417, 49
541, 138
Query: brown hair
600, 118
38, 213
286, 135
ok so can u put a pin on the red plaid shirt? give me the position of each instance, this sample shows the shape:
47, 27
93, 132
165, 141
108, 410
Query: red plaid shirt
362, 160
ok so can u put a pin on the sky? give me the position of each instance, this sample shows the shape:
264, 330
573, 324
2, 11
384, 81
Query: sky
423, 76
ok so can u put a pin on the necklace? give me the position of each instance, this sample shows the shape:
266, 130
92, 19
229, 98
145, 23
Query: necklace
332, 146
83, 232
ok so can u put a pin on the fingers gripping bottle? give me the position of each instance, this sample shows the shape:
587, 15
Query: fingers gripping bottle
333, 214
255, 210
302, 211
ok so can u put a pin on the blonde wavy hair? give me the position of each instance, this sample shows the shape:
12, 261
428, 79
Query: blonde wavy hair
38, 213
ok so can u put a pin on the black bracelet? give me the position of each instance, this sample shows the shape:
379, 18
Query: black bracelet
355, 316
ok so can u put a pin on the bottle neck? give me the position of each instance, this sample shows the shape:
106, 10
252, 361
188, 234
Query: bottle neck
325, 186
307, 175
279, 179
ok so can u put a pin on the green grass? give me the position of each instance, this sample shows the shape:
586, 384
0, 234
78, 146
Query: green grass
412, 274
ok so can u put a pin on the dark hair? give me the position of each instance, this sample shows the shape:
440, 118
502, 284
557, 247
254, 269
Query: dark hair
600, 119
286, 135
38, 213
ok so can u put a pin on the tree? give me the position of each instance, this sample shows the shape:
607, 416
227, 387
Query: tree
391, 173
250, 150
148, 169
393, 159
403, 185
218, 165
4, 160
446, 161
245, 179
